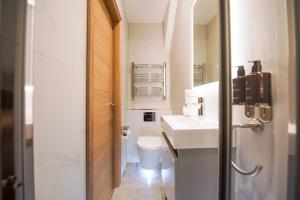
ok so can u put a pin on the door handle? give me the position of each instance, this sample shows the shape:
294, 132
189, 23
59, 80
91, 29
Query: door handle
12, 182
112, 105
251, 173
257, 128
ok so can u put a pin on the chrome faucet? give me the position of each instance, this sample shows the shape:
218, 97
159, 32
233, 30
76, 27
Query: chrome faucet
201, 105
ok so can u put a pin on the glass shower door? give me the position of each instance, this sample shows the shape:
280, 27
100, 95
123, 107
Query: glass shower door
16, 137
263, 132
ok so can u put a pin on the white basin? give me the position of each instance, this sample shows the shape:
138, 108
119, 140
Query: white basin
188, 133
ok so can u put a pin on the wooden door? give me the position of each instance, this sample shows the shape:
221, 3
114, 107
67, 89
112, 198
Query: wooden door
101, 95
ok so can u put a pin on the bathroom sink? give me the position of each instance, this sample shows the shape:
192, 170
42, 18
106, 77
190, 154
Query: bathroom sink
187, 133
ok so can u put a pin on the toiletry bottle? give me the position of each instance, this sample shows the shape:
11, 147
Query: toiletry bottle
252, 89
265, 93
265, 97
239, 87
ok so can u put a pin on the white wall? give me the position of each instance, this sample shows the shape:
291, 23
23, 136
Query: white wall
146, 46
181, 59
257, 34
60, 99
169, 22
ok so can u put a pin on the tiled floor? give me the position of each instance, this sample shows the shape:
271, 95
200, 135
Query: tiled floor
138, 184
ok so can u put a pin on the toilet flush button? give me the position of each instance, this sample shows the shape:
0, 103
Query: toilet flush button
149, 116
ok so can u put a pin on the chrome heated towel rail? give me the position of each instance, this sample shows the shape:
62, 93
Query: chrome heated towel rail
148, 80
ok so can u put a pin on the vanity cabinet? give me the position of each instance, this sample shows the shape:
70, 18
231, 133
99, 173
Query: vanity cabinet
189, 158
188, 173
169, 158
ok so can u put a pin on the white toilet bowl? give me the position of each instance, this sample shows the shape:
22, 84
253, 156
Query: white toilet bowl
149, 151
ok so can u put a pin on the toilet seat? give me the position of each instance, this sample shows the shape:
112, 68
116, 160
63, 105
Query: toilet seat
149, 143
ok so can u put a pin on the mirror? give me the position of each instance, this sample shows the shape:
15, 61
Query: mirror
206, 42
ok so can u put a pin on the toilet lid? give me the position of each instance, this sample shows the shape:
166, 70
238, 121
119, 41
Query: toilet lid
149, 143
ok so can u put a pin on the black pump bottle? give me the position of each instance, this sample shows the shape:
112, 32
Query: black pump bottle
239, 87
258, 93
252, 89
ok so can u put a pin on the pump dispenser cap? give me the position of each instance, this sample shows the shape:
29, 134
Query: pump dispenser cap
241, 71
256, 67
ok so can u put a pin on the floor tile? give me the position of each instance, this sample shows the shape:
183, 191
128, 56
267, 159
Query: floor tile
139, 184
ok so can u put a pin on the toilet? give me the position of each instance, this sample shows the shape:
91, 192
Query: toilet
149, 151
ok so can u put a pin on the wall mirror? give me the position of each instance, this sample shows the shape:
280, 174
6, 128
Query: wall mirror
206, 42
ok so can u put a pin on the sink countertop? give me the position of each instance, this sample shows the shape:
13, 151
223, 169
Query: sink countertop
187, 133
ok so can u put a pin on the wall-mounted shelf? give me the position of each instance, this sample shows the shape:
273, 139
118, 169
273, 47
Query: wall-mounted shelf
148, 80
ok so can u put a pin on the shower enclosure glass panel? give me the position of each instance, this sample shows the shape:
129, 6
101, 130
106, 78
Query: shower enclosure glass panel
263, 153
16, 138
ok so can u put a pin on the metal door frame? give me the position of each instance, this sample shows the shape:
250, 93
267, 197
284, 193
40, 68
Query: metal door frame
225, 102
297, 37
21, 177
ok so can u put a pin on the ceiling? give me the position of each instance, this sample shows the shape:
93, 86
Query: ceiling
145, 11
204, 11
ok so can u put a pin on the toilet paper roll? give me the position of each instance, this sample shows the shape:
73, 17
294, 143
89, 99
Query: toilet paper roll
125, 134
